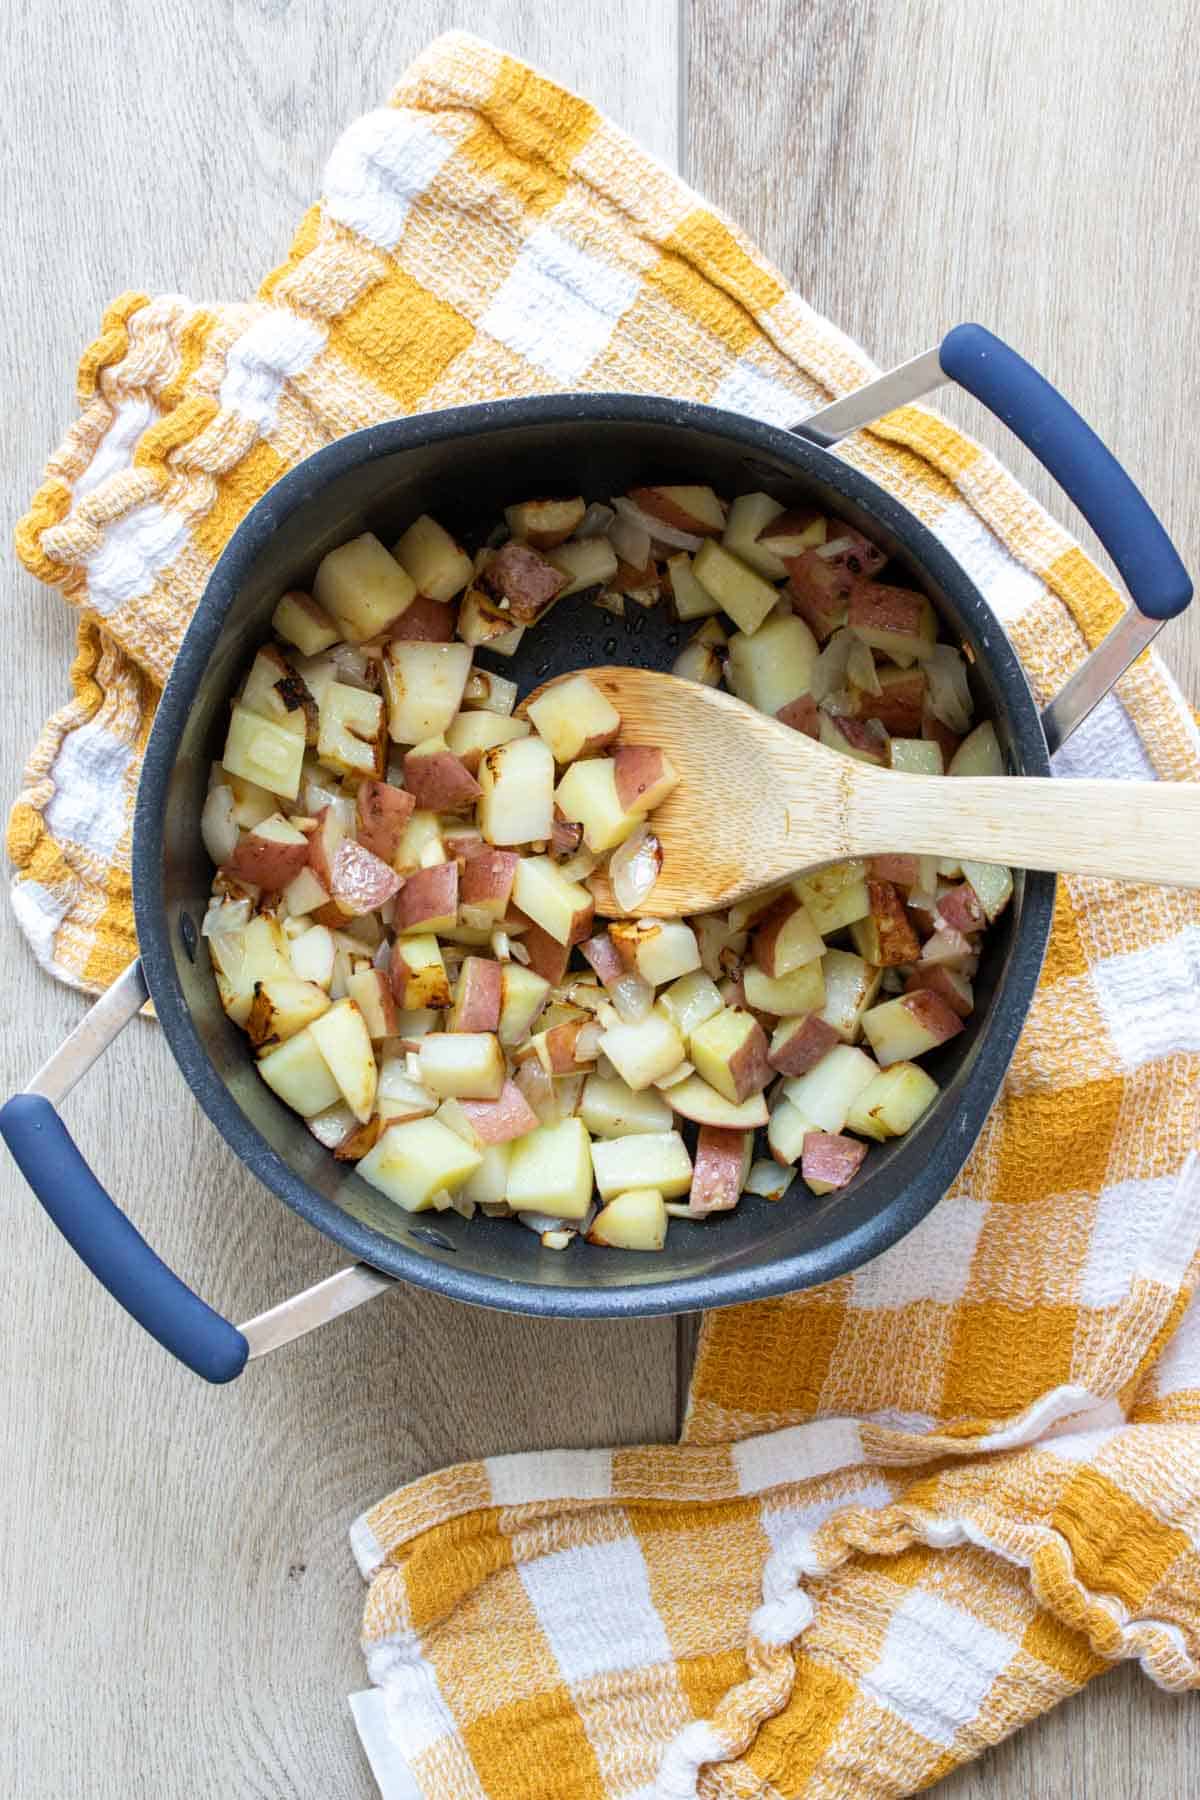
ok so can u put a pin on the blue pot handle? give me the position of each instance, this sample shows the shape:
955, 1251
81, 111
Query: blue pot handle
96, 1229
1069, 449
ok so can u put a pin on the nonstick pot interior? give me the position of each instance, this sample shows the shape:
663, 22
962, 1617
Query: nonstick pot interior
464, 466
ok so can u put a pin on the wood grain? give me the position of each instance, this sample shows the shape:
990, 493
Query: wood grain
180, 1605
912, 163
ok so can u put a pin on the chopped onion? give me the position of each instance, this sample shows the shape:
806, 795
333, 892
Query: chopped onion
634, 867
838, 705
542, 1221
333, 1126
674, 1076
654, 528
768, 1180
218, 827
224, 917
860, 667
500, 945
538, 1088
949, 695
519, 952
595, 521
495, 1209
412, 1064
580, 866
835, 547
382, 956
559, 1239
610, 602
477, 918
351, 664
631, 542
587, 1043
632, 999
829, 670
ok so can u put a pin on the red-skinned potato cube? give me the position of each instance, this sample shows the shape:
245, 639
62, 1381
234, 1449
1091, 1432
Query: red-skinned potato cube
323, 842
829, 1160
948, 984
697, 510
604, 958
382, 813
461, 845
799, 1044
562, 1047
820, 593
900, 706
935, 732
477, 996
487, 880
644, 777
802, 715
428, 901
719, 1167
885, 937
896, 610
361, 881
858, 556
264, 860
522, 576
959, 909
785, 938
438, 781
547, 957
865, 737
499, 1121
903, 870
427, 621
931, 1011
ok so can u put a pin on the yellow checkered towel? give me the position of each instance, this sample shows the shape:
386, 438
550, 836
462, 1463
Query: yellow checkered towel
914, 1507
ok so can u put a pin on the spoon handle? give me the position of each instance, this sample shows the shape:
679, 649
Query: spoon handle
1126, 830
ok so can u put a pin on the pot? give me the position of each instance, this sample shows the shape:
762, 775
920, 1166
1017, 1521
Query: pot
462, 465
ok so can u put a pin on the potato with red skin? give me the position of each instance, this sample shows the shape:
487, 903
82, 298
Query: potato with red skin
903, 870
428, 901
547, 957
460, 846
959, 909
858, 557
901, 1030
382, 811
499, 1121
437, 780
520, 575
946, 948
819, 593
557, 1048
270, 855
797, 1045
899, 706
487, 880
545, 523
477, 996
863, 739
729, 1052
791, 533
371, 992
829, 1160
418, 974
934, 732
785, 937
802, 715
885, 937
603, 956
644, 777
694, 509
947, 984
426, 621
719, 1169
355, 1145
323, 843
360, 881
877, 610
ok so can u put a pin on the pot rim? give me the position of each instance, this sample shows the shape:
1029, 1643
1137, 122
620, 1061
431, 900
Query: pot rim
672, 1294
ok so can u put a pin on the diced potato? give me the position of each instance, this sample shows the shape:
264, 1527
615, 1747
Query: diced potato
978, 754
656, 1159
891, 1104
612, 1109
550, 1171
791, 533
436, 778
418, 972
381, 813
423, 684
588, 562
993, 883
828, 1091
785, 938
488, 1184
520, 581
736, 588
274, 691
694, 1099
864, 740
787, 1131
885, 937
699, 661
437, 566
271, 855
641, 1053
659, 949
312, 955
916, 756
372, 994
428, 901
644, 777
487, 881
544, 523
517, 804
774, 666
902, 1029
798, 1043
819, 890
749, 515
722, 1163
267, 754
362, 588
420, 845
342, 1037
801, 990
896, 698
414, 1161
299, 620
563, 908
691, 601
488, 692
895, 621
634, 1220
462, 1065
482, 623
303, 895
830, 1161
471, 733
689, 1001
850, 987
730, 1053
587, 794
351, 733
575, 719
299, 1074
523, 994
477, 996
258, 951
695, 509
282, 1006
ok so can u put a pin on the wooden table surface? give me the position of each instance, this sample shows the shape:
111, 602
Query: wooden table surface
179, 1601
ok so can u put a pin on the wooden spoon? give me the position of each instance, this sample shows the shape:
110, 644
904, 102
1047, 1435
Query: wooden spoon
758, 802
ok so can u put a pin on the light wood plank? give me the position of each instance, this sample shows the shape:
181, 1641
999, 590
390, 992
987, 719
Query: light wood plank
913, 163
180, 1604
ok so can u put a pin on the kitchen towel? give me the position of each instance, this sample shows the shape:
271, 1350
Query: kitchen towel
912, 1508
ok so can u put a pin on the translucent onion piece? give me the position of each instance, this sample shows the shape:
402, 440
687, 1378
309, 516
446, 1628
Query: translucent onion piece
860, 667
829, 670
351, 664
674, 1076
495, 1209
441, 1201
834, 547
224, 917
632, 999
580, 866
501, 945
587, 1044
218, 827
478, 918
610, 602
519, 952
595, 521
631, 542
768, 1180
838, 705
382, 955
542, 1221
654, 528
559, 1239
634, 867
333, 1126
538, 1088
949, 695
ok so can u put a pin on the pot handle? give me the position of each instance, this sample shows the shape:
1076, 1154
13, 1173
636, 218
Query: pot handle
1086, 469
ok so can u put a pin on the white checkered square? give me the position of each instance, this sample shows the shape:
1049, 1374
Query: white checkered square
550, 1475
1179, 1366
796, 1453
781, 1523
1148, 998
378, 168
559, 305
1138, 1232
1007, 586
278, 346
593, 1604
937, 1666
1107, 745
89, 806
747, 391
932, 1263
136, 550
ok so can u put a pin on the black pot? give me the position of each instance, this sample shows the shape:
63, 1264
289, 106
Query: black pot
464, 466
